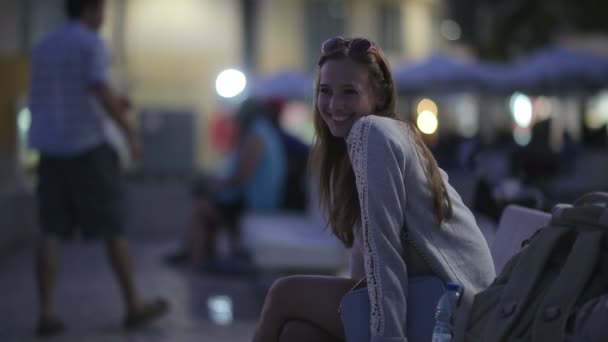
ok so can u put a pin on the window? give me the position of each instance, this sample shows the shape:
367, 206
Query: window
389, 21
324, 20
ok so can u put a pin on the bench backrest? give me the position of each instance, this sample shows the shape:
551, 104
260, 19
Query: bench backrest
516, 224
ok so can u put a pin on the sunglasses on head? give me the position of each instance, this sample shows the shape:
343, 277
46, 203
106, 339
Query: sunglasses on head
356, 45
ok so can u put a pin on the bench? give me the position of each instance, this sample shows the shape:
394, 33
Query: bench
516, 224
296, 241
287, 241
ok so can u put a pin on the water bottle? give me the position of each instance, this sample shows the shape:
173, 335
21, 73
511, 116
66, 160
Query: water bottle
442, 332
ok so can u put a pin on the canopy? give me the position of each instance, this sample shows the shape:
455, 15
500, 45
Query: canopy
550, 70
554, 70
441, 73
293, 85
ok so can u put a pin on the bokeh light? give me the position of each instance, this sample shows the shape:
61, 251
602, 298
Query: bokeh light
427, 105
220, 309
542, 108
230, 83
450, 30
596, 114
521, 109
427, 122
24, 120
522, 136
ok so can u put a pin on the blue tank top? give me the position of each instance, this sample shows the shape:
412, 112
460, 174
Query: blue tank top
264, 190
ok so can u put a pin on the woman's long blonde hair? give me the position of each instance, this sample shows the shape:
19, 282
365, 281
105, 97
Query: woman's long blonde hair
329, 161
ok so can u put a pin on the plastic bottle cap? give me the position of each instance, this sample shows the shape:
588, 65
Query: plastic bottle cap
453, 287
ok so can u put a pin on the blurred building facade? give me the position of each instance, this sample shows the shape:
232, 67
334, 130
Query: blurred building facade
166, 54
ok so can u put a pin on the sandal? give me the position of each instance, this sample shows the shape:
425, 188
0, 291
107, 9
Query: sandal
49, 327
177, 258
148, 312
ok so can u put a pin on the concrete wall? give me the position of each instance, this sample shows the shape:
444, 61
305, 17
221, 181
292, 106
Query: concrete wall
175, 50
10, 26
281, 37
17, 218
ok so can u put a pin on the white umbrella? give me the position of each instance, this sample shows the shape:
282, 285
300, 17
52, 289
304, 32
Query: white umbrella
555, 69
441, 73
286, 84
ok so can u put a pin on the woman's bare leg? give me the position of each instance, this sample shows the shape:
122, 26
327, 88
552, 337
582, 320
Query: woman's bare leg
303, 331
314, 299
203, 231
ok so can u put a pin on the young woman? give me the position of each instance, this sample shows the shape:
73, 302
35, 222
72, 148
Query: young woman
378, 183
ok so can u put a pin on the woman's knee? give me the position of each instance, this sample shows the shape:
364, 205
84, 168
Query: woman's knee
285, 289
282, 289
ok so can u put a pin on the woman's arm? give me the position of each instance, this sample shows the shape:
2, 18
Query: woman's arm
379, 163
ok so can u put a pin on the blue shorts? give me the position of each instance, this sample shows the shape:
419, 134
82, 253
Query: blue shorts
83, 193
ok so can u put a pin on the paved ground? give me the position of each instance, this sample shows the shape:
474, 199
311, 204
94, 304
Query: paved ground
90, 299
91, 307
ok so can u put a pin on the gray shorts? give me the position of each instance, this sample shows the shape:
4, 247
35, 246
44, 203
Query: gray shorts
83, 193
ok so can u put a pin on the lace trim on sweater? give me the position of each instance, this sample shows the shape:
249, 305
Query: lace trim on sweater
357, 149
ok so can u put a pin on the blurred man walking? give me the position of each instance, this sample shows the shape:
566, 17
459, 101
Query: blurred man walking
80, 186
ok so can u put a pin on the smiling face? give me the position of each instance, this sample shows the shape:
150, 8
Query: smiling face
344, 94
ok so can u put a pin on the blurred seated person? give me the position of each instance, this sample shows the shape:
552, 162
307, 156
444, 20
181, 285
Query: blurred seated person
295, 196
255, 182
536, 162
